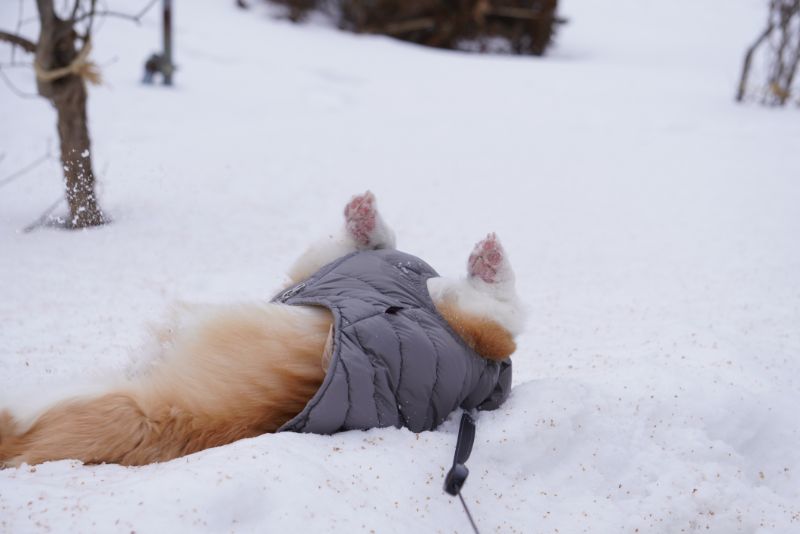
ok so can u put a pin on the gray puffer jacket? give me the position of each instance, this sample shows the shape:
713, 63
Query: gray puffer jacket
395, 360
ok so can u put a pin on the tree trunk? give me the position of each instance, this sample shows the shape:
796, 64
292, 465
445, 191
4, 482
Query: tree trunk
56, 49
70, 104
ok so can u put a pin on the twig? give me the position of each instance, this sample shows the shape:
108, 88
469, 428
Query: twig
427, 23
75, 9
18, 40
794, 67
28, 20
779, 65
14, 89
748, 59
18, 28
92, 13
137, 18
524, 13
783, 54
38, 223
407, 26
16, 64
29, 167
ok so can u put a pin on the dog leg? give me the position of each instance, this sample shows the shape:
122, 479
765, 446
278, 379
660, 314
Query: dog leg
364, 224
364, 229
489, 270
483, 308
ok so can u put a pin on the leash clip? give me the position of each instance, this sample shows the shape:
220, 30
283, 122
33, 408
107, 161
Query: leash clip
457, 475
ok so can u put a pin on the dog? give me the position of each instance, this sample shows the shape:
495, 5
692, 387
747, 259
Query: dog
224, 373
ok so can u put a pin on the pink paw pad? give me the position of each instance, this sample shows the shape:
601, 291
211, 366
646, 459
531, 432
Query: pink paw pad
361, 218
486, 259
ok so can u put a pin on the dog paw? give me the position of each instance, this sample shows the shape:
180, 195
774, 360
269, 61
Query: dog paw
488, 261
364, 223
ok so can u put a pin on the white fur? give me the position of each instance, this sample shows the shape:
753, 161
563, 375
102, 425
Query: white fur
320, 253
497, 301
328, 248
27, 404
481, 299
222, 364
383, 236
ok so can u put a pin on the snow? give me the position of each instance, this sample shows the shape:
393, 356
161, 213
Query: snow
652, 224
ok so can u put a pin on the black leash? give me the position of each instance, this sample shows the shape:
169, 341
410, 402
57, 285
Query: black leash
457, 475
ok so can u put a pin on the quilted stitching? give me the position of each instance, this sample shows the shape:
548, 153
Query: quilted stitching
351, 297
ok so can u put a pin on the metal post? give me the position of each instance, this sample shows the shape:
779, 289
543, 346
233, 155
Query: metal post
168, 66
162, 63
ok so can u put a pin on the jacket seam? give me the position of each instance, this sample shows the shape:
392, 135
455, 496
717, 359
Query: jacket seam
435, 371
373, 360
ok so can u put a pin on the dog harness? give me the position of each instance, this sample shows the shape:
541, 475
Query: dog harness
394, 360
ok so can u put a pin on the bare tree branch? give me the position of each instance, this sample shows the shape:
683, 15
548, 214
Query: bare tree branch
14, 89
75, 9
29, 167
92, 13
18, 40
18, 28
779, 46
137, 17
58, 57
29, 46
44, 219
795, 65
523, 13
17, 65
748, 59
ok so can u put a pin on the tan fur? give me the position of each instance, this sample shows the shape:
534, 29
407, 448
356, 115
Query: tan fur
483, 335
241, 373
238, 373
8, 428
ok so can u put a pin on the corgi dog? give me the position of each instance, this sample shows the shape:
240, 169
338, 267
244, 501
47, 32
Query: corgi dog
223, 373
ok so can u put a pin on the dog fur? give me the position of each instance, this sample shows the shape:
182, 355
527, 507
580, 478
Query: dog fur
224, 373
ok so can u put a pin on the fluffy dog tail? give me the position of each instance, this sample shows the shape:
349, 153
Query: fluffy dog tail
234, 373
117, 428
92, 428
8, 429
74, 429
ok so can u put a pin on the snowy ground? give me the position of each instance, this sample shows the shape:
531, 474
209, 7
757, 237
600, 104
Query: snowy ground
653, 225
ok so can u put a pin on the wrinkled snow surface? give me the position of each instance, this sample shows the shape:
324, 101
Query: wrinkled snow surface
653, 225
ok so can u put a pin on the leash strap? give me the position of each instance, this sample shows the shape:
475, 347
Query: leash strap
457, 475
